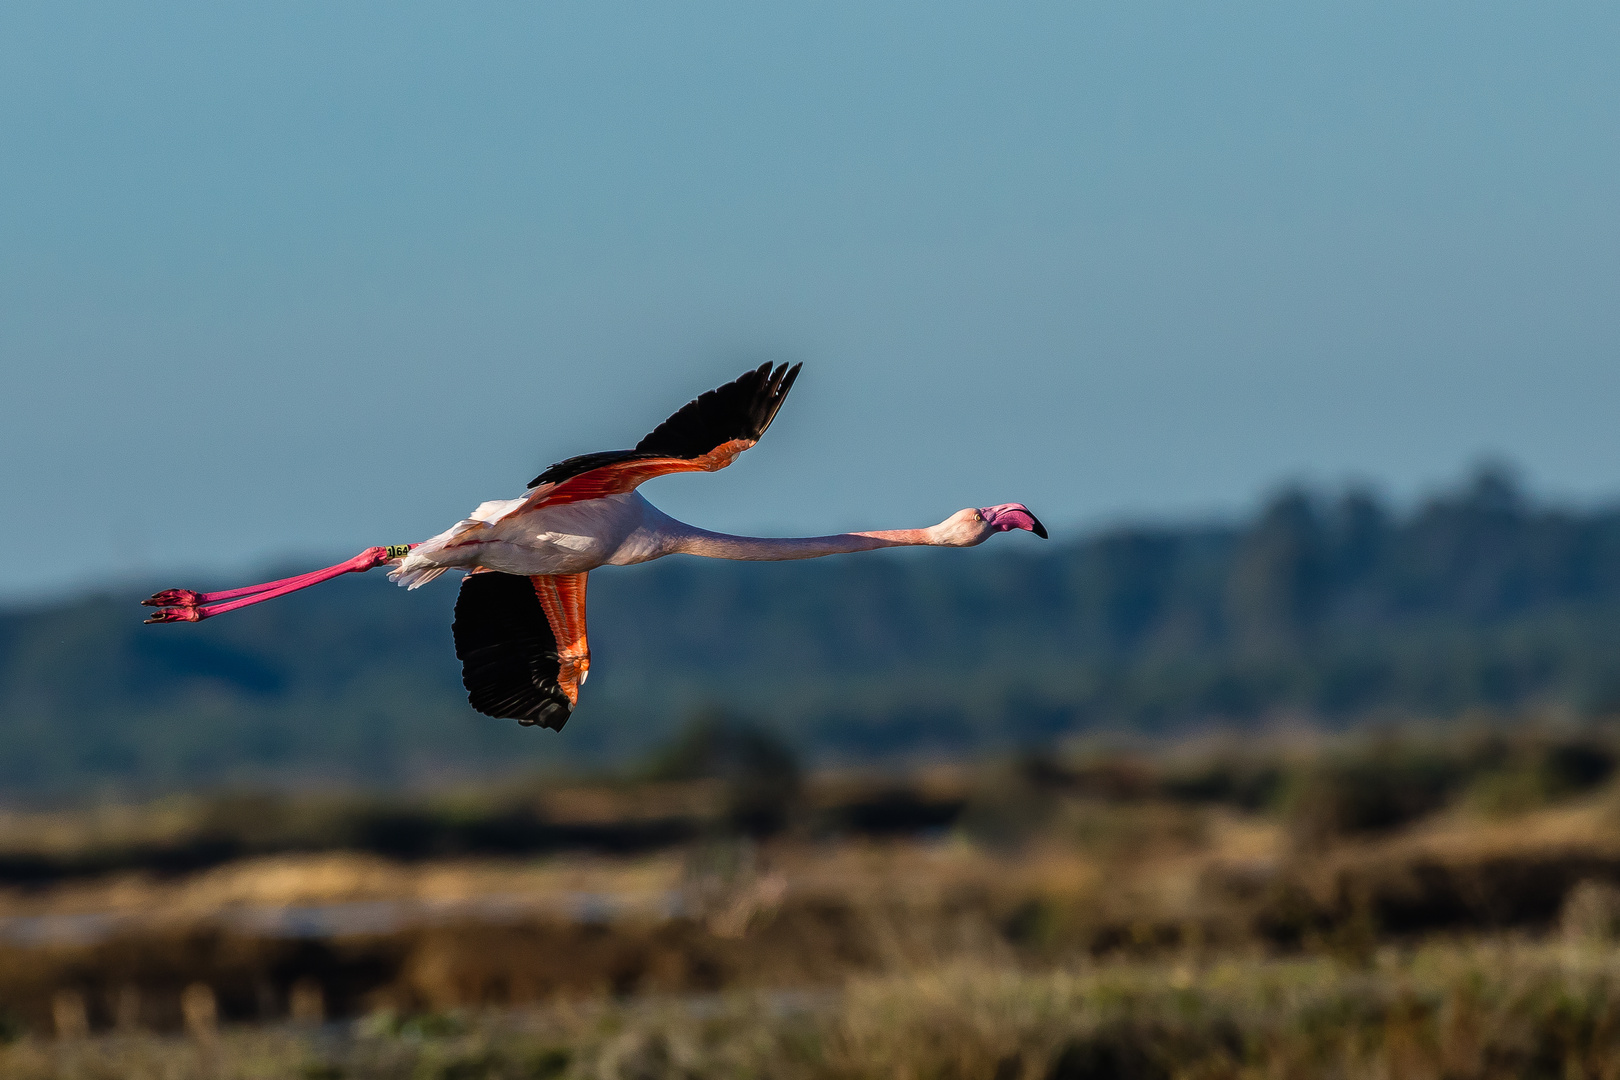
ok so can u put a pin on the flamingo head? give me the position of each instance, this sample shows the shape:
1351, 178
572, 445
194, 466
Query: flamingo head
965, 528
1012, 516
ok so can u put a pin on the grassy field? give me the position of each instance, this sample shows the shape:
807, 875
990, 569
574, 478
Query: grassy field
1489, 1008
1415, 906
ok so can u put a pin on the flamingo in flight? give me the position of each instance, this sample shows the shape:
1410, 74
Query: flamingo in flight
520, 617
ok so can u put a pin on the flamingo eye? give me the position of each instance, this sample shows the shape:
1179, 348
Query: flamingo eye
978, 515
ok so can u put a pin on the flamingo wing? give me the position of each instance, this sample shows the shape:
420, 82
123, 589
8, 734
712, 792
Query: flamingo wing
705, 435
522, 645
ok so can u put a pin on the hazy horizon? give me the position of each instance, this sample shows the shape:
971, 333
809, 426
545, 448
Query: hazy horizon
228, 571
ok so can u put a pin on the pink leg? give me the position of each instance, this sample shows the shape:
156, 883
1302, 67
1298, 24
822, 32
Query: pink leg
189, 598
184, 605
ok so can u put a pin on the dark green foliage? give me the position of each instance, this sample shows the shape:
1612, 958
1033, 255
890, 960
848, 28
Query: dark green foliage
760, 771
1520, 781
226, 827
1006, 812
1248, 785
1334, 610
1374, 792
1118, 1053
1577, 766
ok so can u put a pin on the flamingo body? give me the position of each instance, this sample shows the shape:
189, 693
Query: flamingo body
570, 538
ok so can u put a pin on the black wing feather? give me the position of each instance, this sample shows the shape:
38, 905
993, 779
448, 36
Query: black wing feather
507, 651
741, 409
738, 410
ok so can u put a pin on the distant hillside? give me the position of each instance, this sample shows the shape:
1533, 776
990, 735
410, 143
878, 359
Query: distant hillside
1333, 608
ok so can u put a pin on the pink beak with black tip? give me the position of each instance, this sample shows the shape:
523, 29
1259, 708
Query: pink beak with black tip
1009, 516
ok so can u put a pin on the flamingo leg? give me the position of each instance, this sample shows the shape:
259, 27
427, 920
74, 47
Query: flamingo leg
185, 605
189, 598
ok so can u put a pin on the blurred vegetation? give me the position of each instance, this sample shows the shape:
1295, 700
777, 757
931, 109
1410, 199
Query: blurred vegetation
1331, 609
1213, 907
722, 776
1488, 1010
759, 770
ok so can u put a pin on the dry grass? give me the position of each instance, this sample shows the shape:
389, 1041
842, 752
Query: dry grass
1091, 923
345, 877
1095, 878
1500, 1008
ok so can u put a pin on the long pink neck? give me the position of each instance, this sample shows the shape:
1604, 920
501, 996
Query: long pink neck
690, 540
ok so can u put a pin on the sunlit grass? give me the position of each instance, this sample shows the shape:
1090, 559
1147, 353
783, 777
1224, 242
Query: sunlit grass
1489, 1008
1083, 917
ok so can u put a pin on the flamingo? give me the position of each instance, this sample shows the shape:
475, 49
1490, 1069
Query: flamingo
520, 616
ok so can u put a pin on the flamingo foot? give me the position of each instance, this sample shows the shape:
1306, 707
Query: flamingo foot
174, 598
178, 614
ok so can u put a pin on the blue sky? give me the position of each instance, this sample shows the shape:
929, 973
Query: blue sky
301, 278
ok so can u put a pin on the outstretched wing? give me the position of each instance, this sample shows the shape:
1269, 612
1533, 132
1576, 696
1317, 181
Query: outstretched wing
522, 646
705, 435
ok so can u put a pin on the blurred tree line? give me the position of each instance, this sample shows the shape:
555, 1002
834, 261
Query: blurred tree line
1329, 607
